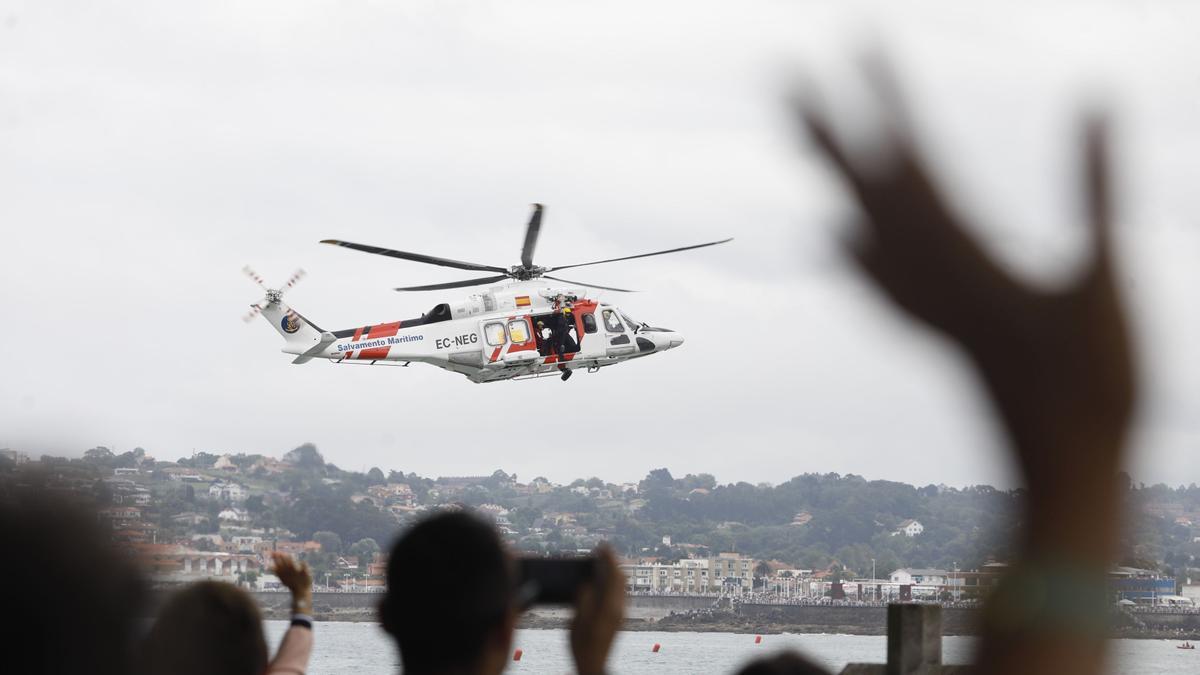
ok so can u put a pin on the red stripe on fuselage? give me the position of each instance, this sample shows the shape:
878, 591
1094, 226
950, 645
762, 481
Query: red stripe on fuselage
382, 330
357, 334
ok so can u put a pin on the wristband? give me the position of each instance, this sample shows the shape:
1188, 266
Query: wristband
302, 620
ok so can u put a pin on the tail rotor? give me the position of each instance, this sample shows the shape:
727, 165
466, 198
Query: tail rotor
273, 295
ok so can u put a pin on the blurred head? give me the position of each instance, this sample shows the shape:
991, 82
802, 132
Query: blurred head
74, 601
450, 603
783, 663
208, 627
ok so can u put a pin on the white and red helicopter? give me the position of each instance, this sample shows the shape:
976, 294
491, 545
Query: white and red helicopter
516, 330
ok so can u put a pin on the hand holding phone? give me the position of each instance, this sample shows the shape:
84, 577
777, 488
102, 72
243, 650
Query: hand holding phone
552, 581
599, 612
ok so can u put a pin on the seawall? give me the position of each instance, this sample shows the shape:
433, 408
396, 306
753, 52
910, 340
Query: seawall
688, 613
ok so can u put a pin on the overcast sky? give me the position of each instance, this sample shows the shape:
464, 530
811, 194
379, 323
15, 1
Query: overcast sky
149, 150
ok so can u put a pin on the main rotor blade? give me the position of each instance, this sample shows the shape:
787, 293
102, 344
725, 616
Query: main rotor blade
640, 255
455, 284
531, 236
415, 257
580, 283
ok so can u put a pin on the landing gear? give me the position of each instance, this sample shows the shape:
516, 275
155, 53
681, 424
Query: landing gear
566, 374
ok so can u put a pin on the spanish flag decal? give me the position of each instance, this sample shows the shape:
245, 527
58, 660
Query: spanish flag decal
522, 301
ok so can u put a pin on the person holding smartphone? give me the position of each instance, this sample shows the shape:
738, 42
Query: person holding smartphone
454, 595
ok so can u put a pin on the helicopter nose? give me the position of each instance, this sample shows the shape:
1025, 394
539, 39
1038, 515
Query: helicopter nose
668, 340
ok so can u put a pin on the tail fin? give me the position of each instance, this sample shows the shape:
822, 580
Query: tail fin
302, 336
299, 333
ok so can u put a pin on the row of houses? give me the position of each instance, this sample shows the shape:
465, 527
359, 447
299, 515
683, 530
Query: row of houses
691, 575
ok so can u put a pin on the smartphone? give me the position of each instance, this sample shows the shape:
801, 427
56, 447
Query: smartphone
552, 581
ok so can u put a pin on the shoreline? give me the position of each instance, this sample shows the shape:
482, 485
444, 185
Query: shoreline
697, 615
559, 619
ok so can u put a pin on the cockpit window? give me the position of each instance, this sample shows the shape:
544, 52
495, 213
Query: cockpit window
632, 324
611, 323
494, 333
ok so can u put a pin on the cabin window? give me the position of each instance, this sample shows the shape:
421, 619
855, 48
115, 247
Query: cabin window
518, 331
611, 323
589, 323
494, 334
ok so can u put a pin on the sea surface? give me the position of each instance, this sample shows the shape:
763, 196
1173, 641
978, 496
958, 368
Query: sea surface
364, 649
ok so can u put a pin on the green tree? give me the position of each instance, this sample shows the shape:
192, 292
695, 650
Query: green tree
375, 476
99, 455
330, 541
305, 457
254, 504
129, 459
365, 550
657, 478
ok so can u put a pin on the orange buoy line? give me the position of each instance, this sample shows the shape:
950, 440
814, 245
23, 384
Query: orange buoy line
758, 639
517, 655
656, 647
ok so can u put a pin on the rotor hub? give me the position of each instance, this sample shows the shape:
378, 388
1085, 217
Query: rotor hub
522, 273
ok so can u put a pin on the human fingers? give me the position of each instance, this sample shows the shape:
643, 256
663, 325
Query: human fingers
303, 571
1097, 186
885, 85
585, 600
285, 567
611, 579
815, 122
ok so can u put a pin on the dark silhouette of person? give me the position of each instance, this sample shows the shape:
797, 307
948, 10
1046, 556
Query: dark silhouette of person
216, 627
560, 323
783, 663
82, 614
452, 607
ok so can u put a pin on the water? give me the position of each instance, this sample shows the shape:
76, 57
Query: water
364, 649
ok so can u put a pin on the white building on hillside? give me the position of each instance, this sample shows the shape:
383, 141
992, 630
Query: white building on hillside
234, 516
910, 528
228, 491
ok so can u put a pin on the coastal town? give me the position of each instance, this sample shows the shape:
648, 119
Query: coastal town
219, 516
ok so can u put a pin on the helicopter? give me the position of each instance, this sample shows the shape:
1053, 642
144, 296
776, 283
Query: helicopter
521, 328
